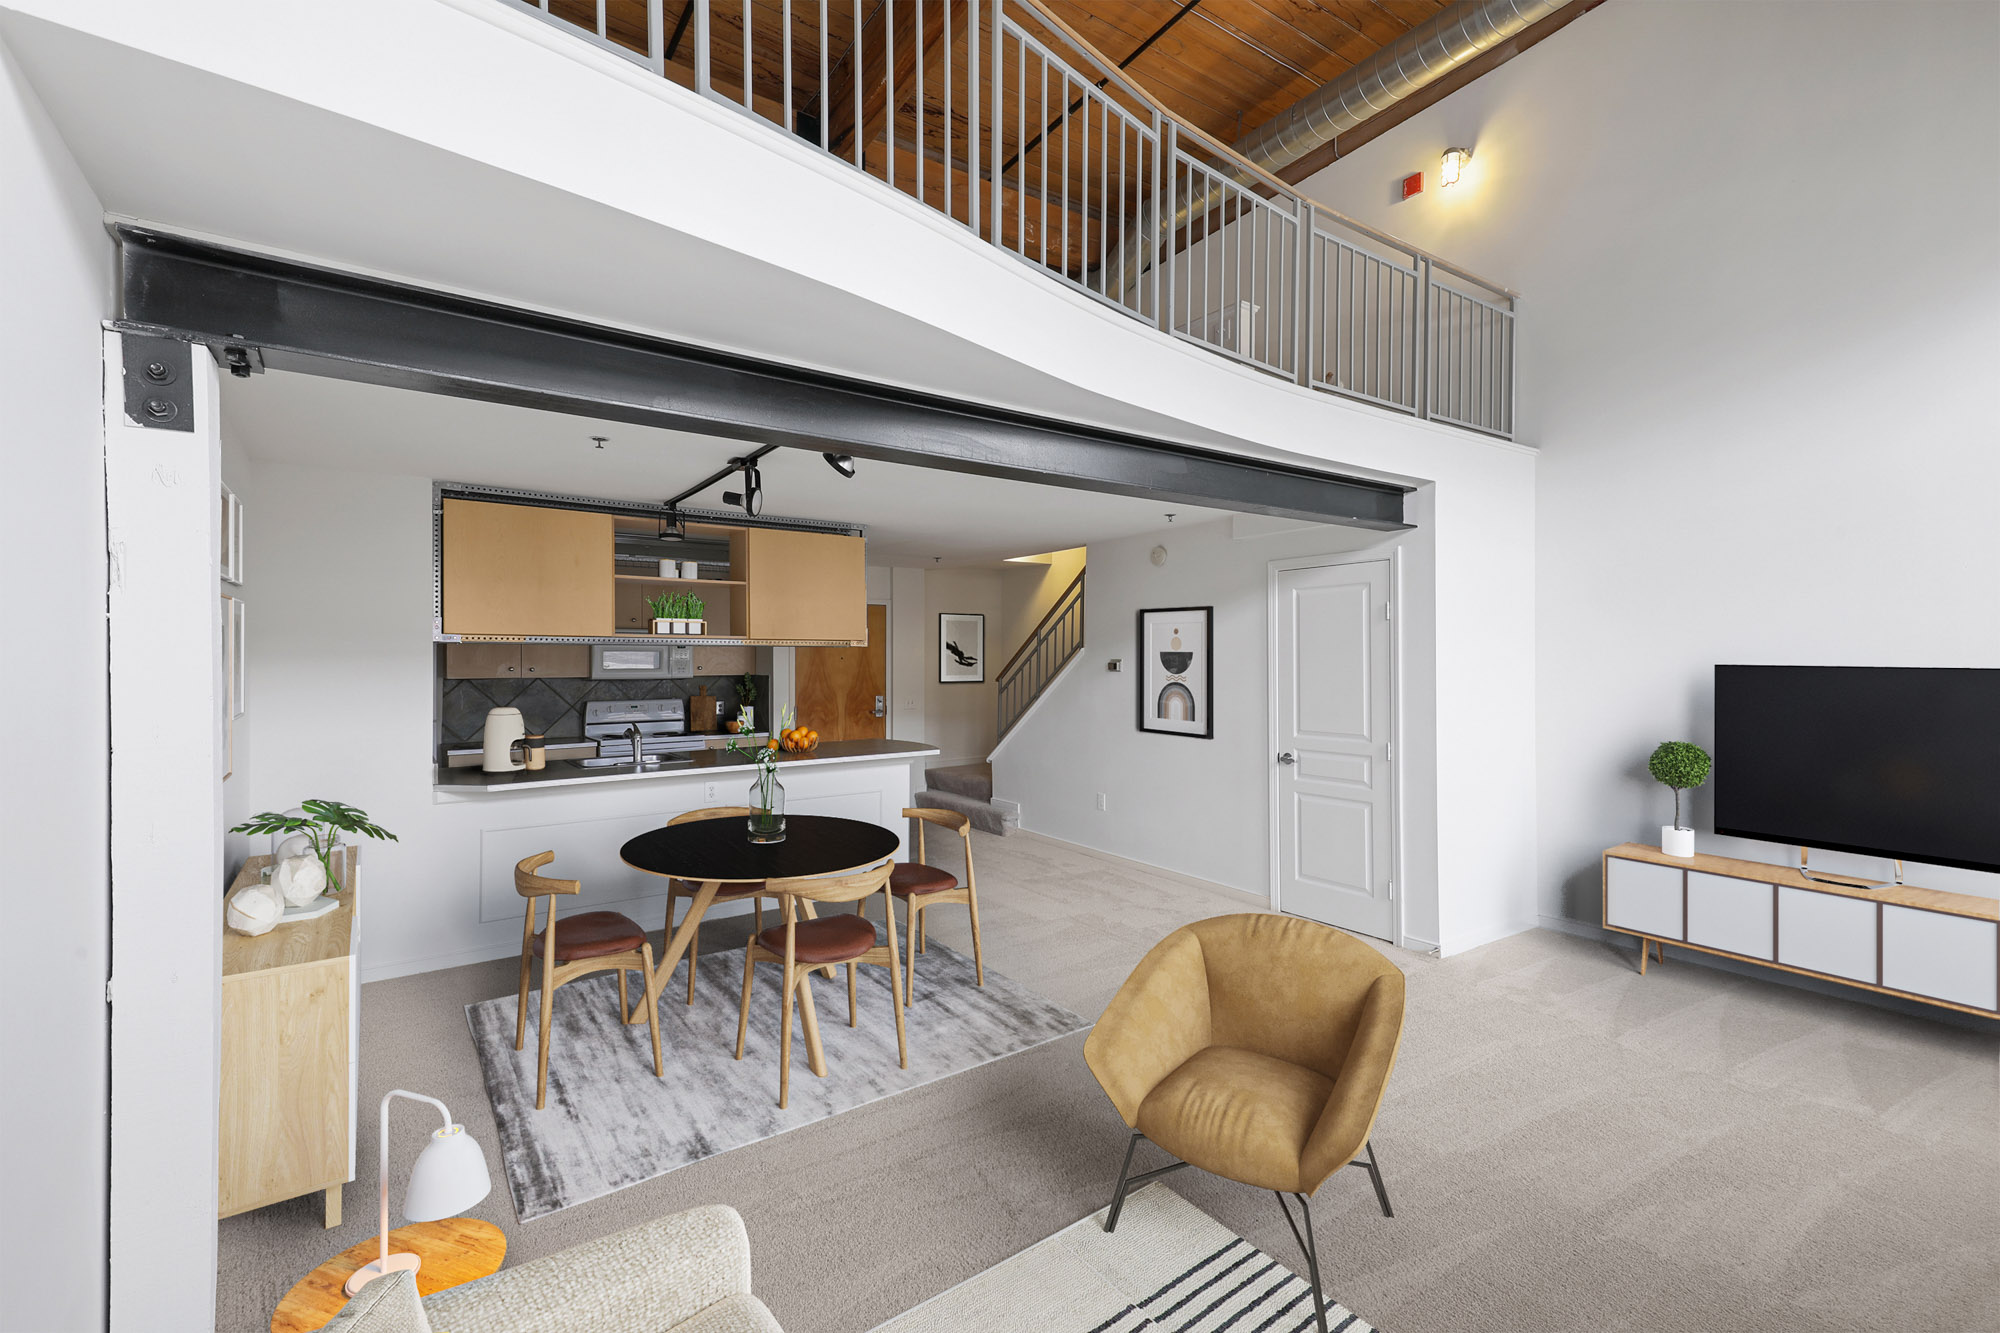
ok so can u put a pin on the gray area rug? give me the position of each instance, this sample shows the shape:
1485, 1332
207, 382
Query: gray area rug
610, 1122
1169, 1267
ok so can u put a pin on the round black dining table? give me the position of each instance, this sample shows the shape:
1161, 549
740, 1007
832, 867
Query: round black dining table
709, 853
720, 849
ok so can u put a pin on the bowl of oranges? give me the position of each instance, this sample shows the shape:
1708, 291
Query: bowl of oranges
792, 737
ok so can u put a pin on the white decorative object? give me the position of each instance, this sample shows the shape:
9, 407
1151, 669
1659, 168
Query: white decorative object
297, 845
662, 625
253, 909
299, 880
1676, 841
690, 569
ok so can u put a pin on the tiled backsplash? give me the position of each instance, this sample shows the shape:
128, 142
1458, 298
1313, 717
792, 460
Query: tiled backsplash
554, 705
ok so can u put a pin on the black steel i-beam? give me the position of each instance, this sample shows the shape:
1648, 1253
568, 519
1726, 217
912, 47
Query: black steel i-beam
290, 316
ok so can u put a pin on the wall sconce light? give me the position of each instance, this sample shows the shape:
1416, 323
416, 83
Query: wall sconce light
1452, 166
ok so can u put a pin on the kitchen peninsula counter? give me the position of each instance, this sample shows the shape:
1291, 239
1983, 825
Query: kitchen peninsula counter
695, 763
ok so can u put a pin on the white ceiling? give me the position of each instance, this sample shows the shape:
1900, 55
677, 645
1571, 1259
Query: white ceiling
913, 515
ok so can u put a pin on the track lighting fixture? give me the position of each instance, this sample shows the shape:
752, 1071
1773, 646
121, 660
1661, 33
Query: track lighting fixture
841, 463
751, 498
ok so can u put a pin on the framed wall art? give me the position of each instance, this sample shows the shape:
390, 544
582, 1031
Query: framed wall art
961, 648
1177, 671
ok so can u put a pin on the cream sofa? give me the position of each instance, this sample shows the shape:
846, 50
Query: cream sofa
689, 1272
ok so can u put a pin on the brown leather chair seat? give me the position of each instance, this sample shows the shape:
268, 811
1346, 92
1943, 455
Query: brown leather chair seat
914, 877
1239, 1113
831, 939
592, 935
747, 889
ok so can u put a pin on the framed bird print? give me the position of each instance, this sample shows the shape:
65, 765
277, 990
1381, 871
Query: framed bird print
961, 648
1177, 671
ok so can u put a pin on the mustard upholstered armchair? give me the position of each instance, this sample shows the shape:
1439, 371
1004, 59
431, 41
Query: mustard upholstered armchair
1256, 1047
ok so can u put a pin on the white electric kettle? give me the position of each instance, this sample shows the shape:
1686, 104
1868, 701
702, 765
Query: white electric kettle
504, 730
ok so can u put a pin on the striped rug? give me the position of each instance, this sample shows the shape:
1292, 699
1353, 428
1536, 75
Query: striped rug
1169, 1267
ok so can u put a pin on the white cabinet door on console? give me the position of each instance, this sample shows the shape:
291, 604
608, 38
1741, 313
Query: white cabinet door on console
1827, 932
1641, 896
1936, 954
1730, 914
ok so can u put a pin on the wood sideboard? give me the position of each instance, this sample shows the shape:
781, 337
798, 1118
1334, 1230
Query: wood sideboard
290, 1011
1922, 944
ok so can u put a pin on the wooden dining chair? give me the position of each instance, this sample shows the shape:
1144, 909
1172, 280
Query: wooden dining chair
922, 886
591, 942
678, 889
806, 945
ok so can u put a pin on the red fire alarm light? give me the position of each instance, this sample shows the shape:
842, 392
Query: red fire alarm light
1413, 185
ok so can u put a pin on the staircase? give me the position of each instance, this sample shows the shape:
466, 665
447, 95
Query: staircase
1036, 664
968, 789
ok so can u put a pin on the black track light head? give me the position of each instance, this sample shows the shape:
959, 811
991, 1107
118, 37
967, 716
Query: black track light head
751, 498
841, 463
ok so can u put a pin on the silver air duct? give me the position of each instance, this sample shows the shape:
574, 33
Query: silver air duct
1419, 57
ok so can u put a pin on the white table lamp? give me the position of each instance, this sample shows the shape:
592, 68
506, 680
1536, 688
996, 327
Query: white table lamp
450, 1176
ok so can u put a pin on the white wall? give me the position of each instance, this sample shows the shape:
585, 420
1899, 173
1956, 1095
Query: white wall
1202, 807
961, 719
1760, 244
55, 269
909, 683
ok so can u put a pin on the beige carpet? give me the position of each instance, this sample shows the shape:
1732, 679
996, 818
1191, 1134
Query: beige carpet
1569, 1146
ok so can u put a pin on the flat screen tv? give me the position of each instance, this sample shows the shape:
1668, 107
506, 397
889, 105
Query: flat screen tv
1900, 762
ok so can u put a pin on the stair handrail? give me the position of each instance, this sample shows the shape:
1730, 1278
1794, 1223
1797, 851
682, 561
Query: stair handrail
1035, 634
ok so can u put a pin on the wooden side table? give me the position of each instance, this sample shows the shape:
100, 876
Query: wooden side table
454, 1251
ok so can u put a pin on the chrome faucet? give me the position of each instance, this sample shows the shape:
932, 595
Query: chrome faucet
638, 738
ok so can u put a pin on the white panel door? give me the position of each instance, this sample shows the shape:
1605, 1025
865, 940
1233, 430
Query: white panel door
1732, 914
1334, 816
1826, 932
1642, 896
1936, 954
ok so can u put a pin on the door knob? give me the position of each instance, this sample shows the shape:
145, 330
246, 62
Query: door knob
1287, 757
879, 709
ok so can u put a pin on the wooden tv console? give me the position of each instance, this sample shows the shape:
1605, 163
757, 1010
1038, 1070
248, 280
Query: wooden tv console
1922, 944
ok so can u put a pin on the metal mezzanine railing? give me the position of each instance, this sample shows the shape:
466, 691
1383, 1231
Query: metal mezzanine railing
1001, 117
1036, 663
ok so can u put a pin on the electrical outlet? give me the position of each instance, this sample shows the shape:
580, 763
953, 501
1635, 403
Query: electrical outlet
1100, 800
711, 793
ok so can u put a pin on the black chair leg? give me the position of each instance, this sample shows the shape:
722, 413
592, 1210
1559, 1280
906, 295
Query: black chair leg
1375, 1174
1312, 1254
1124, 1173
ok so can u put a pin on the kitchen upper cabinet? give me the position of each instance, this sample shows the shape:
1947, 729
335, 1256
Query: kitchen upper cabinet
523, 570
800, 585
505, 661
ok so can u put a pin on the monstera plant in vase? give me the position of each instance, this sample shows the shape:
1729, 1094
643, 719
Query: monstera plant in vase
1681, 765
302, 865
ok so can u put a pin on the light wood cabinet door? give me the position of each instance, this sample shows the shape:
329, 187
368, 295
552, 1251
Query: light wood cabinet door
802, 585
283, 1109
523, 570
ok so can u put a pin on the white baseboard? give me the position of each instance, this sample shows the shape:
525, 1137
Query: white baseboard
1582, 929
1193, 881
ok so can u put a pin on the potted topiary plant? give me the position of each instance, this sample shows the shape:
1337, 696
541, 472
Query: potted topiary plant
697, 609
1682, 765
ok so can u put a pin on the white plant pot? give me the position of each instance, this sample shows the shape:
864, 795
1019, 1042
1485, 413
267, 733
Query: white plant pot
1676, 841
663, 627
697, 626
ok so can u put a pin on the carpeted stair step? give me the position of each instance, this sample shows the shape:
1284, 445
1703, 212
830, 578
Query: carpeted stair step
984, 814
970, 780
